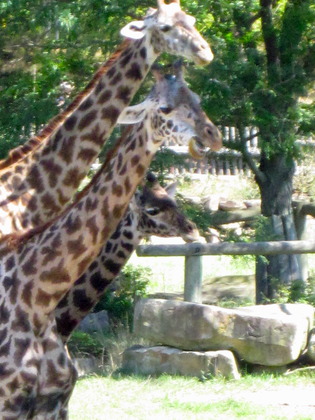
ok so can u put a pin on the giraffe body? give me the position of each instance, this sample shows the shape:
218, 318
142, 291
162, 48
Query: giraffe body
38, 268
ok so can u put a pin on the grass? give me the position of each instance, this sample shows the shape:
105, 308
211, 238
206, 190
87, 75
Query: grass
172, 398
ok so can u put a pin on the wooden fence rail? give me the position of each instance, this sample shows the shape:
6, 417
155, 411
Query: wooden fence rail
193, 253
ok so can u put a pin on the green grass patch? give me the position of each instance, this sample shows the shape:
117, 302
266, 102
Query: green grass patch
178, 398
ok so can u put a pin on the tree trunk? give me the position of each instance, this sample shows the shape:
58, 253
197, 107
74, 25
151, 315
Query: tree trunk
274, 272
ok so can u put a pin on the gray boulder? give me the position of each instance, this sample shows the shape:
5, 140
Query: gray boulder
310, 351
273, 335
161, 359
94, 322
86, 365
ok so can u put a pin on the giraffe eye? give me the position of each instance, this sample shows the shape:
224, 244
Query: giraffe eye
152, 211
165, 109
165, 28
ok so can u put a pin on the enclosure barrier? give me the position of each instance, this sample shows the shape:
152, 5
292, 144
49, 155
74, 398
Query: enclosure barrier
194, 251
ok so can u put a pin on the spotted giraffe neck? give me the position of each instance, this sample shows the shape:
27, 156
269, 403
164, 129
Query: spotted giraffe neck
39, 188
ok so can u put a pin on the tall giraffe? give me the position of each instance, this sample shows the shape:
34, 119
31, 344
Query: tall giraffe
34, 189
38, 268
152, 211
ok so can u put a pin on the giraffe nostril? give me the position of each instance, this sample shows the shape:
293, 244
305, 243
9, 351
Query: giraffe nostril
208, 131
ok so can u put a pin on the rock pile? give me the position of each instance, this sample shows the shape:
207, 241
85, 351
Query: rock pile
195, 339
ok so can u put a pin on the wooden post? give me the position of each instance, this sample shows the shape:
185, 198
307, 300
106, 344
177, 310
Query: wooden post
193, 279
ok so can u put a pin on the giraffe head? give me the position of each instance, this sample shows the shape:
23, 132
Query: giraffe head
174, 111
171, 30
159, 213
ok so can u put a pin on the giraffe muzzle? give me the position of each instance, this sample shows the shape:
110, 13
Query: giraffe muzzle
196, 149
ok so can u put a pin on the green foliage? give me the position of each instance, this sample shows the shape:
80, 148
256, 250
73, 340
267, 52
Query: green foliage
82, 343
297, 292
264, 230
196, 213
131, 286
164, 159
44, 44
259, 71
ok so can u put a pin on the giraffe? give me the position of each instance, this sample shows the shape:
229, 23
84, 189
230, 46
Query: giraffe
152, 211
37, 187
39, 267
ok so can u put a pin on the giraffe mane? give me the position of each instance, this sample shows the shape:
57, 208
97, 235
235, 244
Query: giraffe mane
16, 239
19, 152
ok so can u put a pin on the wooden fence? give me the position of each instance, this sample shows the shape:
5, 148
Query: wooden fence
226, 161
193, 253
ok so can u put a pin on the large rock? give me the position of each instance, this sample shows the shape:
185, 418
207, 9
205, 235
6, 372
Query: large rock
86, 365
310, 351
162, 359
272, 335
94, 322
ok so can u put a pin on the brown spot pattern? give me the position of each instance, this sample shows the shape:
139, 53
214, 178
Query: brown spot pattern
70, 123
110, 113
76, 247
87, 155
104, 97
117, 189
30, 266
134, 72
66, 151
49, 203
124, 94
92, 227
73, 178
55, 275
87, 119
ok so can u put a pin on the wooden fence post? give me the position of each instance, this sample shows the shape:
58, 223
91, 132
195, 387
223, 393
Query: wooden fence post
193, 279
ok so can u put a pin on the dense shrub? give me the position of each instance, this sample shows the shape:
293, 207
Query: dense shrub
120, 299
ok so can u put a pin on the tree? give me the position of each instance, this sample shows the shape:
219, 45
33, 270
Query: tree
264, 64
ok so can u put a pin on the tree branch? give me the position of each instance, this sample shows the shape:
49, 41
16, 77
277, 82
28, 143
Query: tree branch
270, 40
248, 158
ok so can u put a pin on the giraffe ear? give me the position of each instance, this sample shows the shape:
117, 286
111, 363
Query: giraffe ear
171, 190
191, 20
133, 30
133, 114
